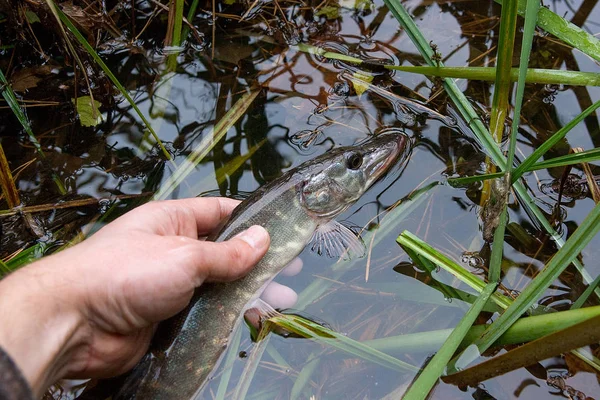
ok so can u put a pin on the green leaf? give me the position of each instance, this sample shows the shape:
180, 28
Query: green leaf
32, 17
550, 142
65, 20
11, 100
564, 30
410, 242
586, 294
329, 12
219, 131
88, 110
467, 180
432, 372
532, 75
464, 107
523, 330
568, 159
502, 86
309, 329
576, 336
528, 33
557, 264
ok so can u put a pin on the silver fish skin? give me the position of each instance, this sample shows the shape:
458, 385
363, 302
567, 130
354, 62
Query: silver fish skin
291, 208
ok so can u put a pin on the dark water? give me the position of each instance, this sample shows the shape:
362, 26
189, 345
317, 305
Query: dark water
306, 106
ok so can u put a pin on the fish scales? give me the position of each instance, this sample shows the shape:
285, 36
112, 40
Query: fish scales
188, 347
209, 305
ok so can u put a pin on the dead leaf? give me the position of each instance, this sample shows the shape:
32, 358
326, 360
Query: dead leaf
28, 78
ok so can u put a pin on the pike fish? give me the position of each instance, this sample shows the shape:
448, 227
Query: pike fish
296, 209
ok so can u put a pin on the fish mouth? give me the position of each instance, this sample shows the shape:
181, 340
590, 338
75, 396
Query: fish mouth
391, 148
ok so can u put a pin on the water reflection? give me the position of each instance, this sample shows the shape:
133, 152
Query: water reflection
308, 105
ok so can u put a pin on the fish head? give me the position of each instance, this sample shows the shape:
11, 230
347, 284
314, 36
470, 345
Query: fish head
338, 178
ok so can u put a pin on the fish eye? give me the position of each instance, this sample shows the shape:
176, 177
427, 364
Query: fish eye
354, 161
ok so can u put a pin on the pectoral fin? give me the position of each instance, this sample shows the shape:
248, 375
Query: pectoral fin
335, 240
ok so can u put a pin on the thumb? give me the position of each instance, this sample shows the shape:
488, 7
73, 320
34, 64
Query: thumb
230, 260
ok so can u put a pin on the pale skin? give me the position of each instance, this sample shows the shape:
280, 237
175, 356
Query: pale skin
91, 310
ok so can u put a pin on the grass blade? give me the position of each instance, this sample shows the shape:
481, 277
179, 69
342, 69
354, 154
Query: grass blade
523, 330
11, 194
532, 75
219, 131
309, 329
467, 180
568, 159
228, 365
530, 18
564, 30
304, 378
561, 260
548, 144
502, 84
473, 121
11, 99
410, 242
579, 335
586, 294
65, 20
432, 372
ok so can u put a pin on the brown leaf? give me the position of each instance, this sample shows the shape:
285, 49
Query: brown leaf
28, 78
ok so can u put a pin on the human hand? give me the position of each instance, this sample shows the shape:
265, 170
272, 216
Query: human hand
90, 310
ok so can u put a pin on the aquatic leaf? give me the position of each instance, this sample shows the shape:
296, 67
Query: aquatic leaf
228, 365
568, 159
12, 102
304, 377
410, 242
473, 121
529, 31
502, 84
309, 329
358, 5
361, 82
434, 369
251, 364
523, 330
32, 17
564, 30
9, 189
550, 142
579, 335
218, 132
586, 294
65, 20
532, 75
88, 110
561, 161
557, 264
329, 12
29, 77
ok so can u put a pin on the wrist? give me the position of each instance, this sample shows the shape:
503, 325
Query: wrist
41, 326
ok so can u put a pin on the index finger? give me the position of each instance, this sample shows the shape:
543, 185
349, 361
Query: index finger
190, 217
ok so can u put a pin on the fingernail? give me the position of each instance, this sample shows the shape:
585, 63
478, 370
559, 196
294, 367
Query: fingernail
256, 236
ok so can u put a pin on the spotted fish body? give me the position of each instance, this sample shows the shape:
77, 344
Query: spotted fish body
292, 208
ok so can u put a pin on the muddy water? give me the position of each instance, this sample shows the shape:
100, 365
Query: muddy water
307, 105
